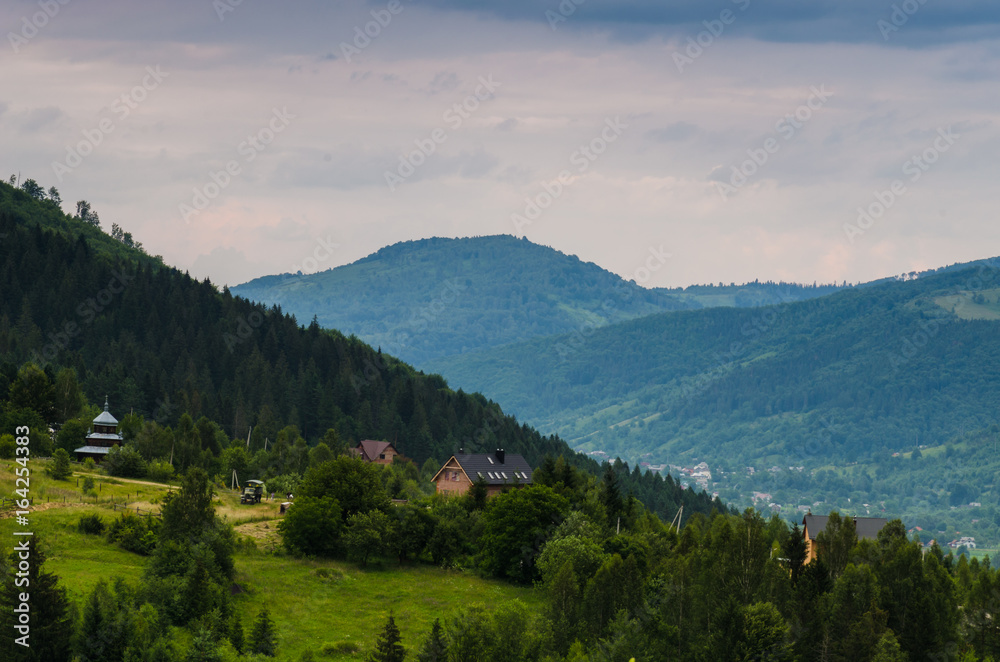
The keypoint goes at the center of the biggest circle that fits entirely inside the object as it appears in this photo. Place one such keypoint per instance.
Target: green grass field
(315, 604)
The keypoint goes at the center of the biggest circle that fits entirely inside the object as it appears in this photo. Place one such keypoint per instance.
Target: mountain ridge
(434, 297)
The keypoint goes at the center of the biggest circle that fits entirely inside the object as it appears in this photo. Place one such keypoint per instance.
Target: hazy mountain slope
(438, 297)
(858, 372)
(161, 344)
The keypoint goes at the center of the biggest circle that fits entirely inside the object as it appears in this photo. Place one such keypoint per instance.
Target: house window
(381, 456)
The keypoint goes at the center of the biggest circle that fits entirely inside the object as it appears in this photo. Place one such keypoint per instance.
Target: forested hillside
(174, 351)
(859, 373)
(438, 297)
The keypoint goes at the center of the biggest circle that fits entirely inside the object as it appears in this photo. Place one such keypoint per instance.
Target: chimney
(499, 455)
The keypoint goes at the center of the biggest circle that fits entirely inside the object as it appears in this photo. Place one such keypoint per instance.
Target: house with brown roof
(499, 470)
(813, 525)
(379, 452)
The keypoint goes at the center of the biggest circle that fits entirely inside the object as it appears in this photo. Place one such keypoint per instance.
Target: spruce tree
(60, 469)
(795, 551)
(51, 621)
(236, 634)
(263, 637)
(388, 647)
(434, 649)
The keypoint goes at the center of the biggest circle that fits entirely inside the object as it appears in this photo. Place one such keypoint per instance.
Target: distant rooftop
(105, 418)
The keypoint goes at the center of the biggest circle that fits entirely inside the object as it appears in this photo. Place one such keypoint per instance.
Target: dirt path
(45, 506)
(130, 480)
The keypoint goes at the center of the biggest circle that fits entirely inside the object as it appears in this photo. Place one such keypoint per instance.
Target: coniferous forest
(208, 386)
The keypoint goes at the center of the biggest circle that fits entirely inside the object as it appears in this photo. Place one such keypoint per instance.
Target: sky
(776, 140)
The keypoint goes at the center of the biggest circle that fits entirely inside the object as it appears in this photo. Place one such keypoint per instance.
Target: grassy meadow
(335, 609)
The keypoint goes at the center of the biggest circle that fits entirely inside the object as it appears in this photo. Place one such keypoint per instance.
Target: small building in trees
(101, 437)
(813, 525)
(499, 470)
(379, 452)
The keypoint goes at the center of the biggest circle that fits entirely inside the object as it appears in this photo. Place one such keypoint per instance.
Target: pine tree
(51, 624)
(795, 551)
(236, 634)
(388, 647)
(434, 649)
(60, 469)
(263, 637)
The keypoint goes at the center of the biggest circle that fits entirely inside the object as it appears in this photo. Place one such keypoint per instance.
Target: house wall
(811, 548)
(389, 454)
(452, 479)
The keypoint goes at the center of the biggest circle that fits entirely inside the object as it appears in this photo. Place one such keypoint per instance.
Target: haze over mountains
(834, 386)
(422, 300)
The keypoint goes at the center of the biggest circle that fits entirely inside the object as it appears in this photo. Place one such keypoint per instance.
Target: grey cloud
(444, 81)
(508, 124)
(475, 163)
(39, 118)
(673, 133)
(229, 261)
(771, 20)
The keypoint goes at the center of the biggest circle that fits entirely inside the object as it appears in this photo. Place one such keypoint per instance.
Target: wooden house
(379, 452)
(812, 525)
(499, 470)
(101, 437)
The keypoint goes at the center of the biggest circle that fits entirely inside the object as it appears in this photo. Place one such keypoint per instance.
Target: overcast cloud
(742, 137)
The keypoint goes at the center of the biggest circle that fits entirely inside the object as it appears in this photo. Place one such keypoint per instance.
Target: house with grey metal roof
(499, 470)
(101, 437)
(812, 525)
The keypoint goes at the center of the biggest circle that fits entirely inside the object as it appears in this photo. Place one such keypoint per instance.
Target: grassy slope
(313, 602)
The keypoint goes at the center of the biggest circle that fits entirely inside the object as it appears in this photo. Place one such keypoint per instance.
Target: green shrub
(125, 462)
(88, 485)
(282, 485)
(7, 446)
(134, 533)
(160, 470)
(89, 464)
(91, 524)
